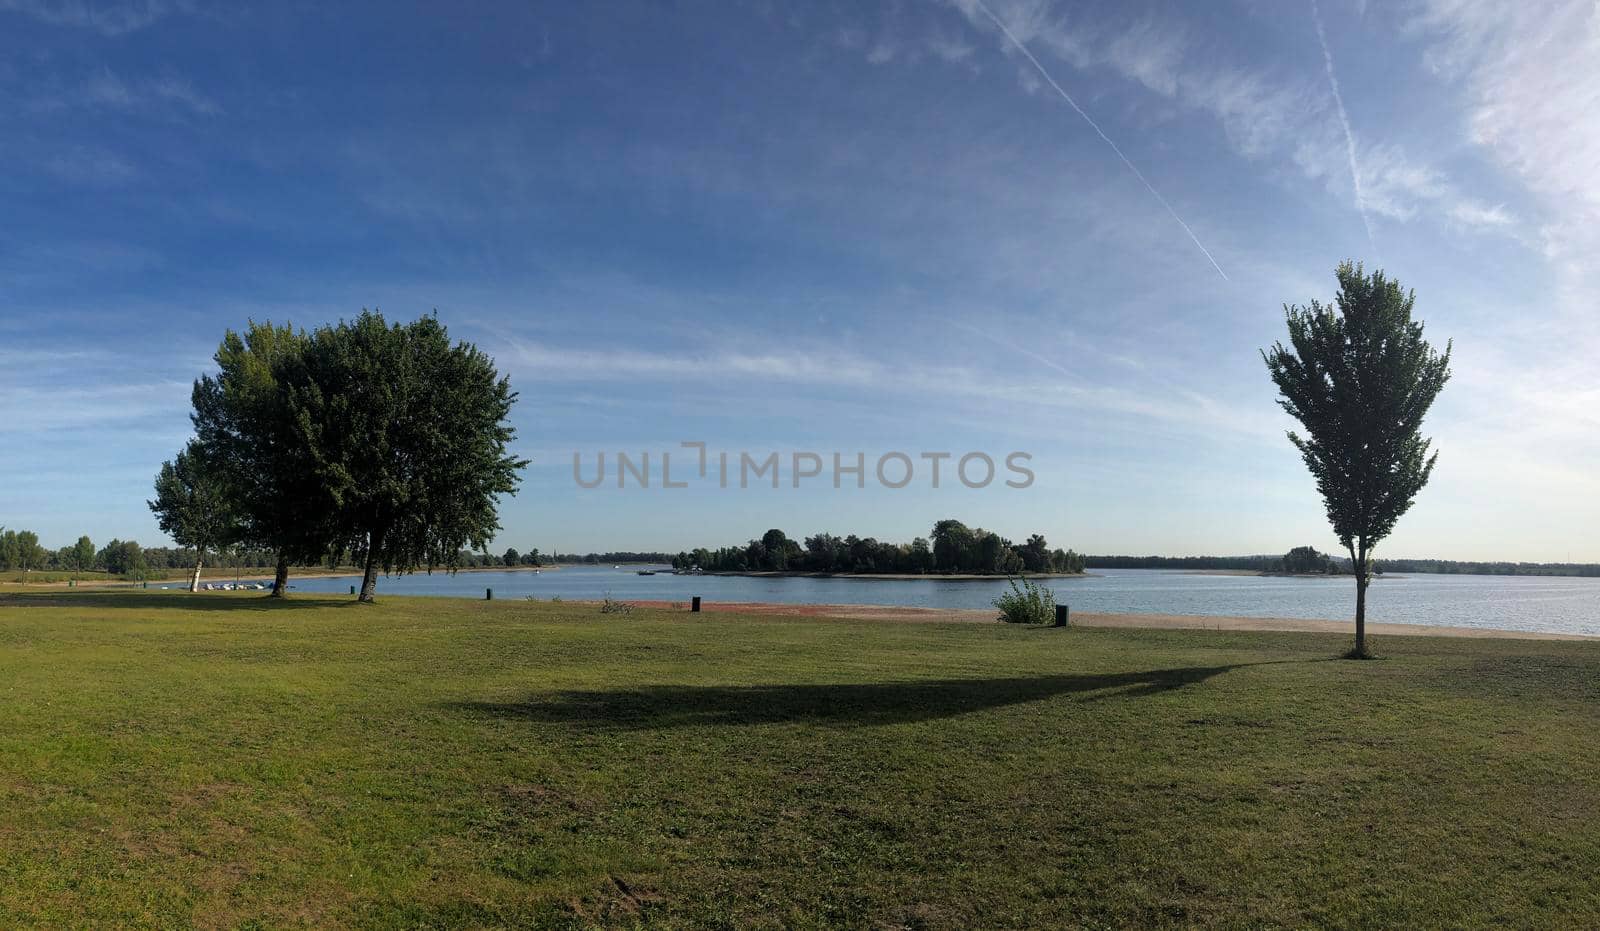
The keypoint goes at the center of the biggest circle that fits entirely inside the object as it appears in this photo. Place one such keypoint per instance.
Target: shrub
(1027, 603)
(613, 606)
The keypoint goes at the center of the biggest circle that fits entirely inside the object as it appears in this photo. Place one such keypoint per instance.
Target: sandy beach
(1093, 619)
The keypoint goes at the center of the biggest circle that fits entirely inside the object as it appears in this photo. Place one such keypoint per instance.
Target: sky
(1060, 229)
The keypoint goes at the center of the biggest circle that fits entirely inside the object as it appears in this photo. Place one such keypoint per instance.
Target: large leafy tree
(192, 505)
(409, 439)
(1360, 378)
(243, 419)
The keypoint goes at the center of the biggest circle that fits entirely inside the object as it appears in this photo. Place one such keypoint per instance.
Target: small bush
(613, 606)
(1027, 603)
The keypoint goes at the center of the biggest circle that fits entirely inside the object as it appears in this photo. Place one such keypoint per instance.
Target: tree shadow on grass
(869, 704)
(137, 600)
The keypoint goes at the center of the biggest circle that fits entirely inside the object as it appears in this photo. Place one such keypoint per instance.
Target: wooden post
(1061, 616)
(352, 589)
(488, 594)
(694, 606)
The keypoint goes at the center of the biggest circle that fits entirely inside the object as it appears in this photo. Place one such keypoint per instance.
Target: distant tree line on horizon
(952, 547)
(1315, 561)
(618, 556)
(20, 551)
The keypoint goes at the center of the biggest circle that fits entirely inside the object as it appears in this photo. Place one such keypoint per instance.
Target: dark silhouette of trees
(1307, 559)
(956, 548)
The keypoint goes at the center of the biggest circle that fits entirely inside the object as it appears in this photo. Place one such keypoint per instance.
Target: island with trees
(951, 549)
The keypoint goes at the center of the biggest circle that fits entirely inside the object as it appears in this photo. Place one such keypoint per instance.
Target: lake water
(1555, 604)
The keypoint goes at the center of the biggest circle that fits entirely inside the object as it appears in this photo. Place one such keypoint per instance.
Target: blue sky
(827, 227)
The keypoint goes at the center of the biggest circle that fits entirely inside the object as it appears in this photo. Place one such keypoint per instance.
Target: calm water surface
(1563, 605)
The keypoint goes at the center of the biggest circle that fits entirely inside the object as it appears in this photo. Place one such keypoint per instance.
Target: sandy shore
(1092, 619)
(906, 576)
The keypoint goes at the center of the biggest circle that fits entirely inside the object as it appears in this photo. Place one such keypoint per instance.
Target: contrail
(1344, 120)
(1098, 131)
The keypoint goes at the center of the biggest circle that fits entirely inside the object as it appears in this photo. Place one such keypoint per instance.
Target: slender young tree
(192, 505)
(1360, 379)
(409, 438)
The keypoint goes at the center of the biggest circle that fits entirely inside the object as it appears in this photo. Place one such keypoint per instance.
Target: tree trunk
(1361, 614)
(194, 582)
(280, 579)
(1358, 565)
(369, 578)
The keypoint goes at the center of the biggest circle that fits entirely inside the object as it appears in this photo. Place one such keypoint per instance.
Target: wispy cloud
(1021, 47)
(90, 165)
(1472, 213)
(1344, 123)
(1265, 114)
(107, 18)
(1529, 75)
(937, 385)
(107, 90)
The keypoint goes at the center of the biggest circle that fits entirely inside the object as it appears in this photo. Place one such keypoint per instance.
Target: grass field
(169, 760)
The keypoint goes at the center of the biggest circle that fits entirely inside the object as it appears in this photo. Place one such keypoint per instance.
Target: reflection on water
(1565, 605)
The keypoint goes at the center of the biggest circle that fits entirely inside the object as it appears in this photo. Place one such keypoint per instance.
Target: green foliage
(30, 555)
(1306, 559)
(956, 548)
(1360, 378)
(192, 504)
(244, 422)
(1027, 603)
(124, 558)
(408, 436)
(20, 550)
(82, 555)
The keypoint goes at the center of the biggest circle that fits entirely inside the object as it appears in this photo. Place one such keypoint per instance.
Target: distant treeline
(952, 547)
(20, 551)
(1257, 563)
(594, 559)
(1340, 564)
(1452, 567)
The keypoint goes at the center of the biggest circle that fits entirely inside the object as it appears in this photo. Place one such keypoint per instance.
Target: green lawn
(170, 760)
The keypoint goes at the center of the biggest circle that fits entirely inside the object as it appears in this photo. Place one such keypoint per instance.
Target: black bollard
(1061, 615)
(694, 606)
(488, 594)
(352, 589)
